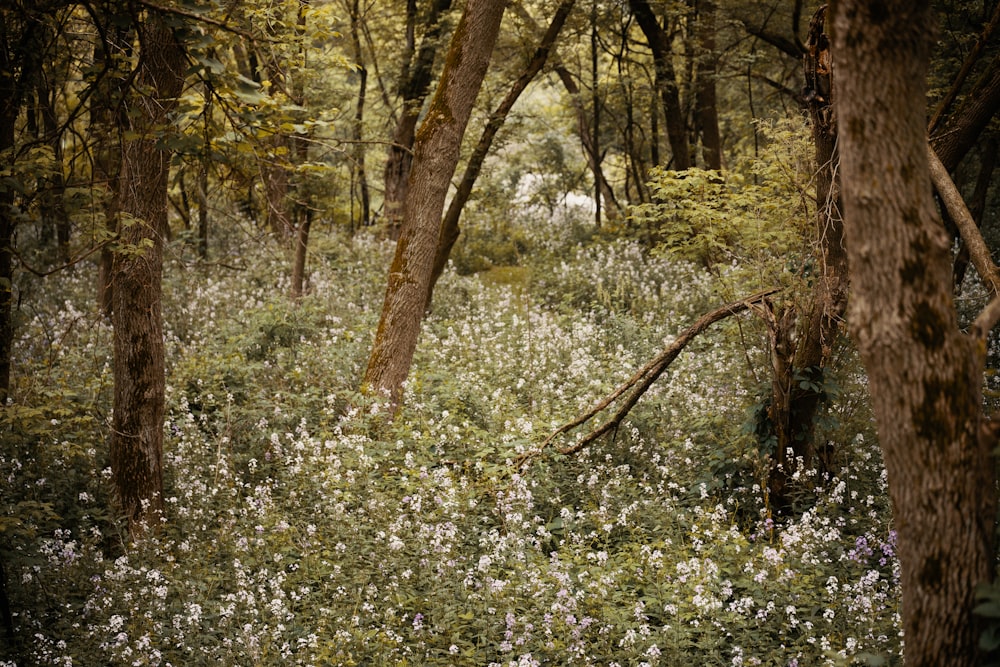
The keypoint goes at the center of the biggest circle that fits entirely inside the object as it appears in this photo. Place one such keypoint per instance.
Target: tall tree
(435, 156)
(924, 373)
(137, 433)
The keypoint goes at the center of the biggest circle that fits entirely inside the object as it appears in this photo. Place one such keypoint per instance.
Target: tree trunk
(436, 154)
(359, 179)
(137, 433)
(707, 110)
(666, 81)
(449, 226)
(924, 374)
(7, 223)
(107, 112)
(299, 266)
(977, 207)
(611, 207)
(962, 129)
(795, 405)
(414, 85)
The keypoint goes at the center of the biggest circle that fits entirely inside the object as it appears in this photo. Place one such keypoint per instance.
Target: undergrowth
(304, 528)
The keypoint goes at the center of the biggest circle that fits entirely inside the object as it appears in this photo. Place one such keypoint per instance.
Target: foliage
(757, 215)
(304, 529)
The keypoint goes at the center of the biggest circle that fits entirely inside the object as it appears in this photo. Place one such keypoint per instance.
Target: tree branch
(648, 374)
(959, 212)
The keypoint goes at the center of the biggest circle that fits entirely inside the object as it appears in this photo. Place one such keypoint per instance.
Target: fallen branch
(648, 374)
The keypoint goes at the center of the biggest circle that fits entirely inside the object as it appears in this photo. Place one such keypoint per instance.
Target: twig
(641, 381)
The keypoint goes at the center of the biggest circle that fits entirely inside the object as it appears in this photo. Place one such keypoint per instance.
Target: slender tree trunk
(7, 224)
(449, 226)
(436, 154)
(206, 158)
(54, 213)
(595, 107)
(359, 178)
(137, 434)
(107, 112)
(977, 206)
(666, 81)
(807, 354)
(924, 374)
(611, 207)
(301, 246)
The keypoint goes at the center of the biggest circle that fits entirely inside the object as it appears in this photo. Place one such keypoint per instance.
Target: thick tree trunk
(449, 226)
(666, 81)
(436, 154)
(924, 374)
(137, 434)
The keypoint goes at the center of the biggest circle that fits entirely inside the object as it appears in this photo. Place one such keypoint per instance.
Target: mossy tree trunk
(436, 154)
(137, 433)
(924, 374)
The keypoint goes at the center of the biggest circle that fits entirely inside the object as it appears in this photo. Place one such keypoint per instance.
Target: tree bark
(449, 226)
(436, 154)
(359, 179)
(924, 374)
(137, 433)
(107, 112)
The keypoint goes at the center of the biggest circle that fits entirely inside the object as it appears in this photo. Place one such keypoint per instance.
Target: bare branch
(648, 374)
